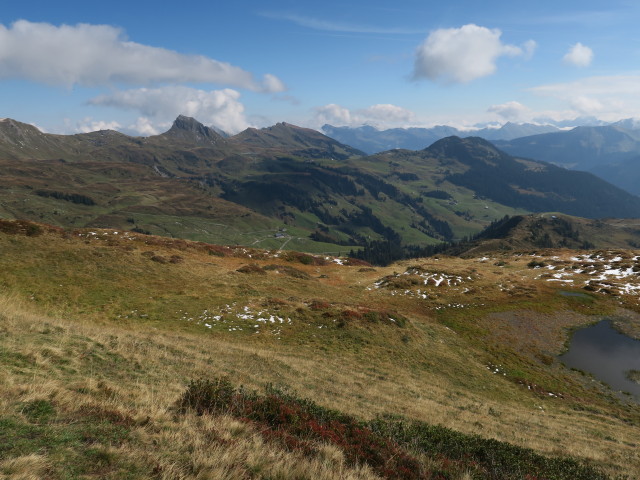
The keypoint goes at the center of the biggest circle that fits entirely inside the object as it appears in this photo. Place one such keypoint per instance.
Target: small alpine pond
(608, 355)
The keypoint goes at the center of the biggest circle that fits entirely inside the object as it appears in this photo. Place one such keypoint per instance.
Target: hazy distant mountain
(511, 130)
(584, 121)
(532, 185)
(624, 174)
(372, 140)
(628, 124)
(582, 148)
(219, 131)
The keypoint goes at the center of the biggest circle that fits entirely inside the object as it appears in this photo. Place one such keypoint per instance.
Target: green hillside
(283, 187)
(124, 355)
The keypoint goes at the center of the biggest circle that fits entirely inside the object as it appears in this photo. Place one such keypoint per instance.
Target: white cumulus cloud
(460, 55)
(95, 55)
(387, 113)
(579, 55)
(586, 105)
(158, 106)
(333, 114)
(145, 126)
(88, 124)
(510, 111)
(380, 115)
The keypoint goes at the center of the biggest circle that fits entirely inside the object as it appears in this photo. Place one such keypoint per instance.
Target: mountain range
(247, 361)
(611, 151)
(371, 140)
(283, 186)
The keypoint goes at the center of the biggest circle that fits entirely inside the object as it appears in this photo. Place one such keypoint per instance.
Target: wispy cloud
(510, 111)
(381, 115)
(614, 12)
(336, 26)
(599, 85)
(610, 97)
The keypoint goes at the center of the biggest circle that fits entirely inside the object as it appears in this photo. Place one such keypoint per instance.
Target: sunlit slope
(121, 322)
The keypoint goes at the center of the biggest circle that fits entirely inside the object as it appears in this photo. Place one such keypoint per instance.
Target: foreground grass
(390, 446)
(82, 401)
(97, 346)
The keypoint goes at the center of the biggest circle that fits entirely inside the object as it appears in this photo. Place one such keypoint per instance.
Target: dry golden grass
(27, 467)
(166, 362)
(88, 363)
(207, 447)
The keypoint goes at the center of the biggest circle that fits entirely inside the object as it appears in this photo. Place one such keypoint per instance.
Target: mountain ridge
(371, 140)
(192, 181)
(189, 130)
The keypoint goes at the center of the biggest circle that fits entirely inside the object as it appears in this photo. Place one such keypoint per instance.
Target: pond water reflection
(606, 354)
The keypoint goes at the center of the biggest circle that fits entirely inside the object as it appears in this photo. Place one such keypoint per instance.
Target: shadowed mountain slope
(580, 148)
(535, 186)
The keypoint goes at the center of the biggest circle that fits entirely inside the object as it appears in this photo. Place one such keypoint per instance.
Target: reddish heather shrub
(21, 227)
(251, 268)
(319, 305)
(298, 423)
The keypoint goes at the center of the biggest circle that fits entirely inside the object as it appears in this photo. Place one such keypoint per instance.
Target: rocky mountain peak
(14, 132)
(189, 129)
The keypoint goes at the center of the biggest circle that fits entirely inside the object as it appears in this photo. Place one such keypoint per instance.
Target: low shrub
(390, 445)
(536, 264)
(176, 259)
(299, 424)
(251, 268)
(289, 271)
(319, 305)
(20, 227)
(486, 457)
(207, 396)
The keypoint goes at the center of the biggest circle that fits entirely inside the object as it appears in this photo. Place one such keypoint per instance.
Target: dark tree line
(69, 197)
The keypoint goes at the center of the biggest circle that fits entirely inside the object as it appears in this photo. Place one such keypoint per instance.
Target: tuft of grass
(38, 411)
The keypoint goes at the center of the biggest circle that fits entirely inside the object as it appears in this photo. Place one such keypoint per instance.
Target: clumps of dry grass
(25, 467)
(288, 270)
(221, 447)
(79, 419)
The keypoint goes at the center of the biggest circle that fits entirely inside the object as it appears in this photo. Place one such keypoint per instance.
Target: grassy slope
(122, 175)
(101, 333)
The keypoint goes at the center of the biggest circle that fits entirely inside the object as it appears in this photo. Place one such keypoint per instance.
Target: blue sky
(70, 67)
